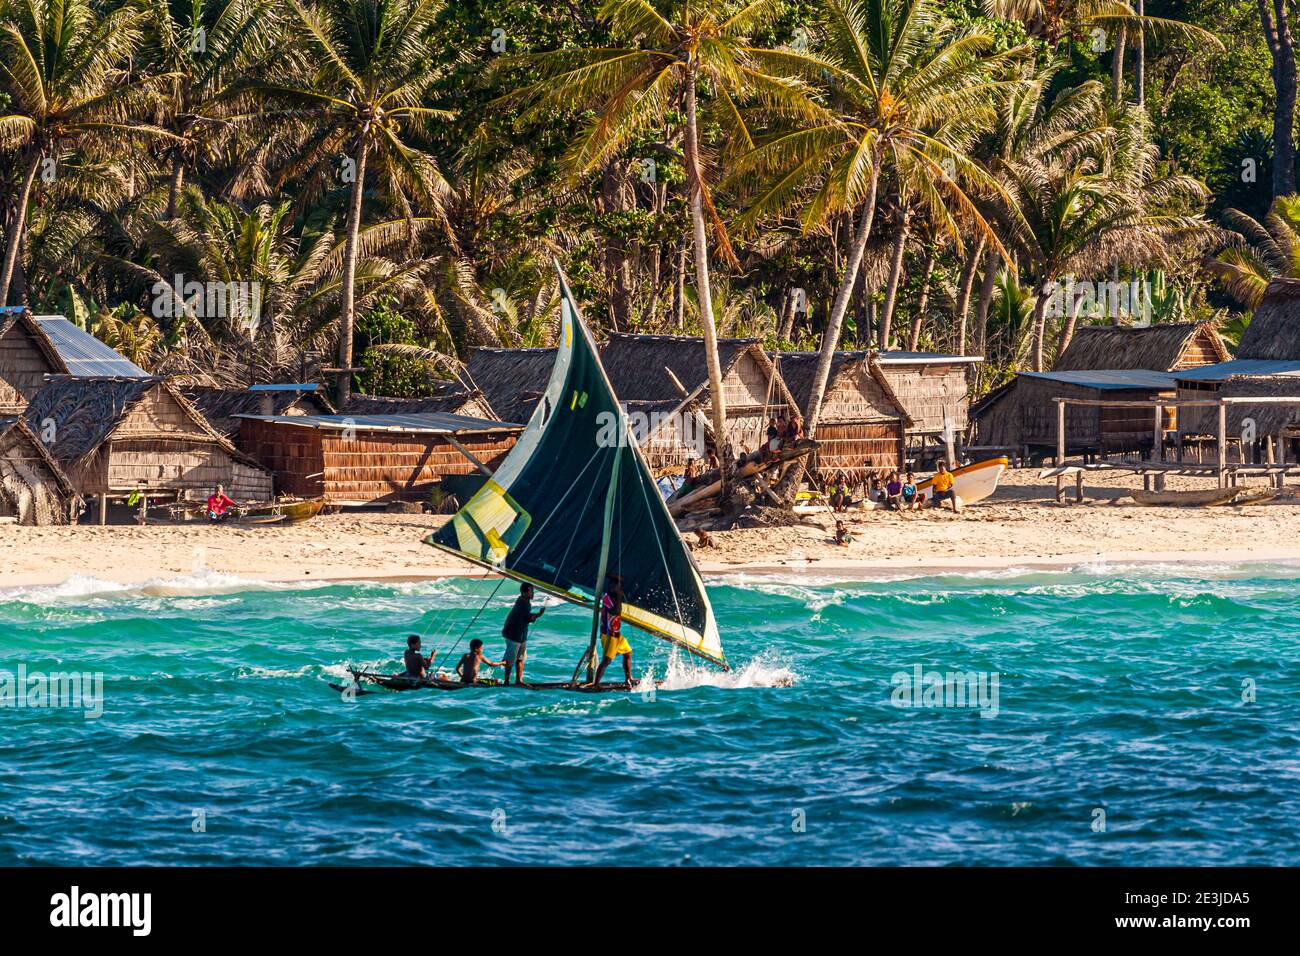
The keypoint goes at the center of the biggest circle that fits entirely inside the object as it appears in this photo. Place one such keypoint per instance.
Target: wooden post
(1060, 433)
(103, 507)
(1223, 443)
(1078, 487)
(949, 429)
(1158, 436)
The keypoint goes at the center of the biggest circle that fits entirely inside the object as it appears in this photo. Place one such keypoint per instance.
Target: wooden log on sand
(752, 465)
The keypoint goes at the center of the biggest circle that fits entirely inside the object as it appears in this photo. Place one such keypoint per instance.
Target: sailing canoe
(574, 500)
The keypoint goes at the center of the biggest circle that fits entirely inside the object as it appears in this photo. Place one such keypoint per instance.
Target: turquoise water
(1119, 692)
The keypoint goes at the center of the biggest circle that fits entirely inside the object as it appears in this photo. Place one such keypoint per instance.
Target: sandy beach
(1021, 526)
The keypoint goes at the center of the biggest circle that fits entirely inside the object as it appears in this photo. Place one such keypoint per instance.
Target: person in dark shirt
(515, 632)
(471, 662)
(416, 664)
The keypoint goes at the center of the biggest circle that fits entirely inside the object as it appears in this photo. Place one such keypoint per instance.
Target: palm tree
(907, 95)
(1257, 252)
(1055, 20)
(671, 50)
(64, 66)
(375, 65)
(201, 48)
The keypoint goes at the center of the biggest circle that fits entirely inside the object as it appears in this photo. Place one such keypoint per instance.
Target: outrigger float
(573, 502)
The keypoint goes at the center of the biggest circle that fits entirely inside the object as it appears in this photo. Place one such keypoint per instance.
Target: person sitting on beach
(471, 662)
(417, 665)
(690, 474)
(894, 493)
(714, 464)
(843, 537)
(217, 505)
(909, 493)
(874, 492)
(515, 631)
(613, 643)
(942, 484)
(773, 439)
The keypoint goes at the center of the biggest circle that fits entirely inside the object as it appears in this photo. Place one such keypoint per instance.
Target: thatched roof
(85, 412)
(798, 369)
(220, 405)
(17, 316)
(1161, 348)
(636, 364)
(513, 380)
(14, 423)
(1274, 331)
(1269, 419)
(452, 401)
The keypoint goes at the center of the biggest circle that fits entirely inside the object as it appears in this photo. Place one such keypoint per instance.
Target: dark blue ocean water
(1124, 729)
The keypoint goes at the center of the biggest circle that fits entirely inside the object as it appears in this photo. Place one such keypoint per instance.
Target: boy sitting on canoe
(417, 665)
(471, 662)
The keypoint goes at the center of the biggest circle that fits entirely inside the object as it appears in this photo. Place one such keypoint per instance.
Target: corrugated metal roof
(1110, 378)
(1224, 370)
(85, 355)
(924, 358)
(436, 423)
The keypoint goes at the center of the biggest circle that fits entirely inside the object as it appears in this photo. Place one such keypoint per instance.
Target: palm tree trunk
(963, 292)
(1281, 46)
(1040, 322)
(895, 275)
(348, 314)
(835, 321)
(17, 225)
(985, 299)
(177, 182)
(1140, 58)
(679, 288)
(787, 317)
(717, 402)
(1071, 321)
(927, 271)
(1117, 66)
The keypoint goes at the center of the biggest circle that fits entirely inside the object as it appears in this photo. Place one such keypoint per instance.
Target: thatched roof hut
(1022, 415)
(1265, 419)
(33, 488)
(512, 380)
(220, 406)
(666, 378)
(1274, 331)
(862, 424)
(114, 436)
(933, 389)
(1159, 348)
(471, 403)
(363, 459)
(34, 346)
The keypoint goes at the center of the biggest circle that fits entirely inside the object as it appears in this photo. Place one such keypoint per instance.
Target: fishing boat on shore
(573, 502)
(971, 483)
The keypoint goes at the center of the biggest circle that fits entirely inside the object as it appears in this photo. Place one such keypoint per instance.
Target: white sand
(1021, 526)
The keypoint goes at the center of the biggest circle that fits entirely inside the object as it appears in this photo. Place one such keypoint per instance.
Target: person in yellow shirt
(942, 484)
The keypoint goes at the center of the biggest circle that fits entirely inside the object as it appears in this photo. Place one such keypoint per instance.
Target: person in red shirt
(217, 505)
(614, 644)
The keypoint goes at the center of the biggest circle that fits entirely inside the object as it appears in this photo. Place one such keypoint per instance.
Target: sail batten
(542, 517)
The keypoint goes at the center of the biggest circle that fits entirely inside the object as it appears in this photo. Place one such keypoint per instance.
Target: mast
(603, 568)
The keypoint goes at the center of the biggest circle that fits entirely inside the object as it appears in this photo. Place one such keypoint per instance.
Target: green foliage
(400, 376)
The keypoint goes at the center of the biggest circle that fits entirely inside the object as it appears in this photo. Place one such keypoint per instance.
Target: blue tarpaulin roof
(1116, 379)
(1224, 370)
(85, 355)
(440, 423)
(299, 387)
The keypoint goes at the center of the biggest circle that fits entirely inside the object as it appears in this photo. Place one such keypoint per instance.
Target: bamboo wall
(23, 368)
(371, 467)
(749, 404)
(1108, 430)
(931, 393)
(857, 450)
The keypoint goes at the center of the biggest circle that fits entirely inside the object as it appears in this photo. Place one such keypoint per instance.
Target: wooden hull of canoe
(400, 682)
(971, 483)
(1185, 499)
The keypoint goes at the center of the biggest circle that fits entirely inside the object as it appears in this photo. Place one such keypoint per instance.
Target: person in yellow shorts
(942, 485)
(613, 643)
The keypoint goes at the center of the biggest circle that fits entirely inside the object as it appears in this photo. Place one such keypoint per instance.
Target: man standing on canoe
(613, 643)
(515, 632)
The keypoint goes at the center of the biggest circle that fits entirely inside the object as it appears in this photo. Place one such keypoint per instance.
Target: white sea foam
(684, 672)
(80, 588)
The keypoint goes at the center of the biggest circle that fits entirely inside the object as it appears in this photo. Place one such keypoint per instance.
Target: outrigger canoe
(1206, 498)
(400, 682)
